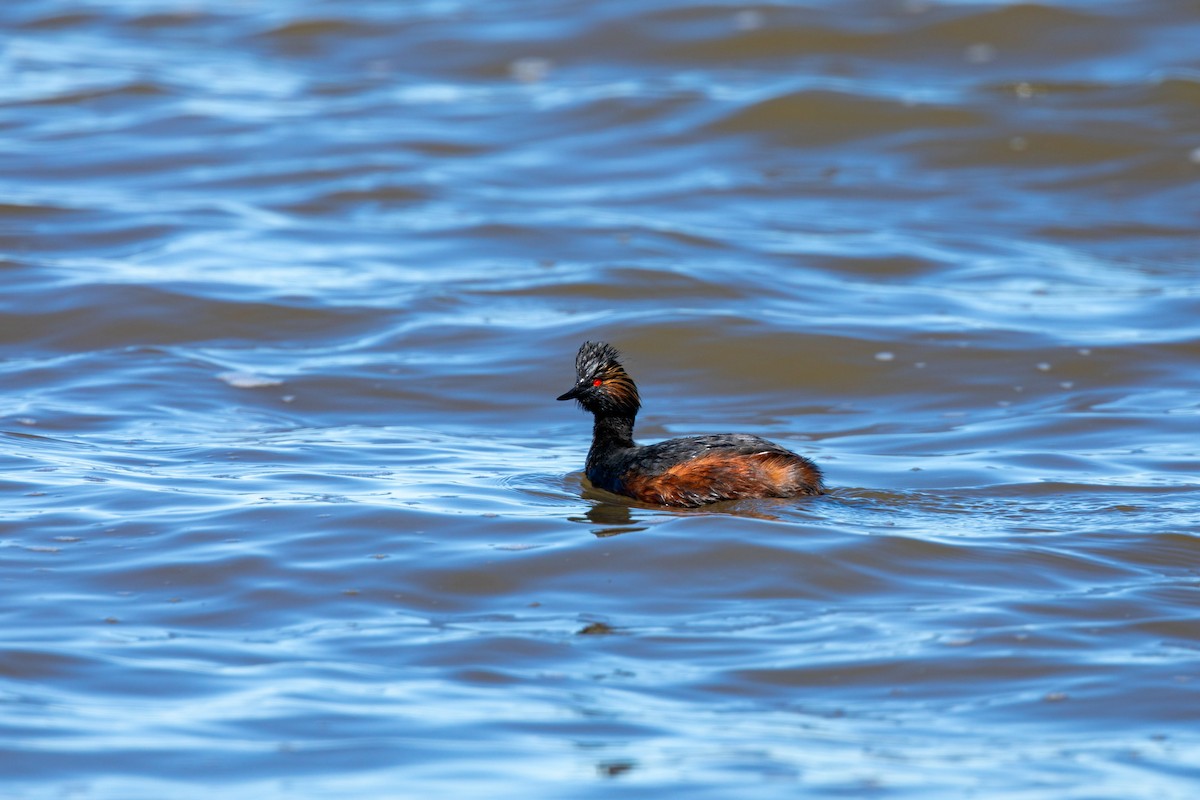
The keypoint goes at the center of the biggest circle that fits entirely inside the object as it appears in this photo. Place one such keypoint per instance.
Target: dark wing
(655, 459)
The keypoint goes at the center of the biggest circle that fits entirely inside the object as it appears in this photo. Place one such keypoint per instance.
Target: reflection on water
(289, 293)
(609, 518)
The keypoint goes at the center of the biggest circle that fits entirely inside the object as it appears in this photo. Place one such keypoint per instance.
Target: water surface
(291, 510)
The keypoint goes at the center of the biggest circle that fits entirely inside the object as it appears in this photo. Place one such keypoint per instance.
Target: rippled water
(291, 511)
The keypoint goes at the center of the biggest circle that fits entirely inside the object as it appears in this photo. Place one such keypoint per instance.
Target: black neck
(612, 432)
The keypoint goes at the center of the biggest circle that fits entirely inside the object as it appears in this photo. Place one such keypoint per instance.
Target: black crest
(595, 359)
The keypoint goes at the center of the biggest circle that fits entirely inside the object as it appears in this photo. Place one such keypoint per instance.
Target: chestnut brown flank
(725, 476)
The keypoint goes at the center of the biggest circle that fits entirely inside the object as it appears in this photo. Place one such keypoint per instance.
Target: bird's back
(694, 470)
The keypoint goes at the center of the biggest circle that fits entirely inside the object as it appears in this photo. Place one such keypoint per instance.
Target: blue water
(290, 289)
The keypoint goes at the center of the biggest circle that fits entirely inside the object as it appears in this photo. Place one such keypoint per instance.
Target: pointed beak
(571, 395)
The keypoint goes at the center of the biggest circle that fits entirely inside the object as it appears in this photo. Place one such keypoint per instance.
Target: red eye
(597, 382)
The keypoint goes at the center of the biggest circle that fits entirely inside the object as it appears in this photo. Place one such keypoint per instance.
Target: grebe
(689, 471)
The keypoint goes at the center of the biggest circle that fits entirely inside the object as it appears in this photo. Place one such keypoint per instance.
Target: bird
(685, 472)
